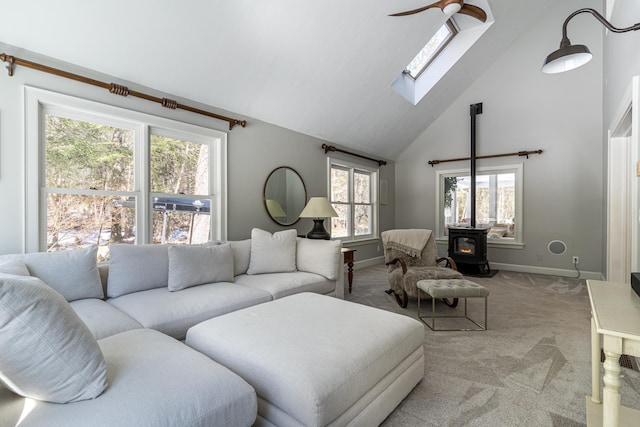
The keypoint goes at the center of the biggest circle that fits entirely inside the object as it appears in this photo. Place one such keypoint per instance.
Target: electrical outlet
(576, 260)
(378, 248)
(540, 257)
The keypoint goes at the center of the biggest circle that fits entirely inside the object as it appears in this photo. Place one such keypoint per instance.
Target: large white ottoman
(315, 360)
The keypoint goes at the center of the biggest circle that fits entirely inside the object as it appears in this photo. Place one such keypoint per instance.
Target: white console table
(615, 321)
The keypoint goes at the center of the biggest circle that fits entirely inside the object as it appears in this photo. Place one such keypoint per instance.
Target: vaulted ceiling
(322, 68)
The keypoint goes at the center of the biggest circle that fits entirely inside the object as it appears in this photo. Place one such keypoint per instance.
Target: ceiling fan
(449, 7)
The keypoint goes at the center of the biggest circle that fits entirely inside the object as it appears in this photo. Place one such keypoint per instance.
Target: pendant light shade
(566, 58)
(571, 56)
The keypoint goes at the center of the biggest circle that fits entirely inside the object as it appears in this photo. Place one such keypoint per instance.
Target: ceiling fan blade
(421, 9)
(473, 11)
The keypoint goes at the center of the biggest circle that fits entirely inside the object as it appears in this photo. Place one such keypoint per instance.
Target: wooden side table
(347, 254)
(615, 323)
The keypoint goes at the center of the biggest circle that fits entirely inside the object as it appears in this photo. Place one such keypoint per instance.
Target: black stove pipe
(475, 109)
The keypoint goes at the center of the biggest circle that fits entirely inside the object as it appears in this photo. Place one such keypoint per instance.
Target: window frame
(40, 102)
(453, 32)
(374, 173)
(517, 169)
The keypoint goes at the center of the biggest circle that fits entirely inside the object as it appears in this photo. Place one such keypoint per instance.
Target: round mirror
(284, 195)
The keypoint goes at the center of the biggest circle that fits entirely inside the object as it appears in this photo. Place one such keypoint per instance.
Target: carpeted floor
(530, 368)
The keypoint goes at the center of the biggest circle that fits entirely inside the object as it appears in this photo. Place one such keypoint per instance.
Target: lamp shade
(566, 58)
(569, 57)
(318, 207)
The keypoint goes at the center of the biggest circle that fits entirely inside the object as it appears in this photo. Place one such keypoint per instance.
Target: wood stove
(468, 248)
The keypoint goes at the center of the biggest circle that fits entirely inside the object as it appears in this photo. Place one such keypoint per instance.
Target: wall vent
(557, 247)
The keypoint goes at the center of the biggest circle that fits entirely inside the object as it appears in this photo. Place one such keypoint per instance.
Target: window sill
(492, 243)
(360, 242)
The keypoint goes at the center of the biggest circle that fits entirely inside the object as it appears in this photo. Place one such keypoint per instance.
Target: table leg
(611, 392)
(595, 363)
(350, 275)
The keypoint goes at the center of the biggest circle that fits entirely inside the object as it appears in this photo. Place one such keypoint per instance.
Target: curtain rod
(517, 153)
(114, 88)
(328, 148)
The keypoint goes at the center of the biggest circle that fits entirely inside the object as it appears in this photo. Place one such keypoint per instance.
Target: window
(432, 49)
(498, 202)
(108, 175)
(353, 191)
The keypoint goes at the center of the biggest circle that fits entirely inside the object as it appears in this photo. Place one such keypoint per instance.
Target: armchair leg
(402, 302)
(450, 303)
(405, 300)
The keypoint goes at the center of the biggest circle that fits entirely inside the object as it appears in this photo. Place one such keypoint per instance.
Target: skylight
(432, 49)
(451, 41)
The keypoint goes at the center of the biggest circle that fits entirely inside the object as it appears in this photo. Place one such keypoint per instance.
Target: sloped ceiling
(322, 68)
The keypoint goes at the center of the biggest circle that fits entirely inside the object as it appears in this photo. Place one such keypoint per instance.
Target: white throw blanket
(410, 241)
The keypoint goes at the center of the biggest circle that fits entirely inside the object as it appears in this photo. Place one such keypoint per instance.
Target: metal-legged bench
(452, 288)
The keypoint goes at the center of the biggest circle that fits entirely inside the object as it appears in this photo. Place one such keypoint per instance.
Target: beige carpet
(530, 368)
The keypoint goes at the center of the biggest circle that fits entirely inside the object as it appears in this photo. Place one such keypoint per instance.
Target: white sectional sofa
(127, 318)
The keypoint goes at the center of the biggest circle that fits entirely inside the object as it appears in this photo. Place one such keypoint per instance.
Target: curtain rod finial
(11, 61)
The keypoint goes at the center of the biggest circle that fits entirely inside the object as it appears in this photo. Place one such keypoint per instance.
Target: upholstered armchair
(411, 255)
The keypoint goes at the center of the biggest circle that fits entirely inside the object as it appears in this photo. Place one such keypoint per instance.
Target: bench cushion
(452, 288)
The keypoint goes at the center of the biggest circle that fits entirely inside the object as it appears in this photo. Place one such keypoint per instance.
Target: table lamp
(318, 208)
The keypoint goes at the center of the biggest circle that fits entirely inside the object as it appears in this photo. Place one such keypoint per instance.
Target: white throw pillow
(272, 253)
(197, 265)
(241, 255)
(134, 268)
(13, 266)
(73, 273)
(48, 353)
(321, 257)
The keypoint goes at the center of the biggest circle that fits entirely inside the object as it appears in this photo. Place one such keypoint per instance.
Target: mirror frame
(264, 194)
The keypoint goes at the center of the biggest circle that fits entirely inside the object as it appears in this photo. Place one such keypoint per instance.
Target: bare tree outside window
(84, 162)
(352, 197)
(180, 168)
(91, 194)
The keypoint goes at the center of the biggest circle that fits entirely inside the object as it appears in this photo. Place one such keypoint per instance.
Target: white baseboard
(368, 263)
(593, 275)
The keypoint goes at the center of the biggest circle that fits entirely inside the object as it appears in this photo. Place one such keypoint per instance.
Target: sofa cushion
(175, 312)
(241, 255)
(282, 284)
(156, 381)
(322, 257)
(134, 268)
(102, 318)
(272, 253)
(47, 352)
(72, 273)
(196, 265)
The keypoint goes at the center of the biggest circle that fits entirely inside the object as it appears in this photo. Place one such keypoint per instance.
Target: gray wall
(253, 152)
(621, 64)
(525, 109)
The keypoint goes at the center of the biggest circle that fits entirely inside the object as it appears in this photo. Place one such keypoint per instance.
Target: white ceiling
(323, 68)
